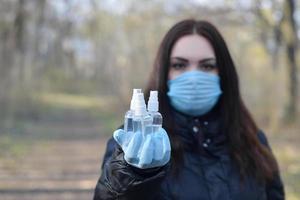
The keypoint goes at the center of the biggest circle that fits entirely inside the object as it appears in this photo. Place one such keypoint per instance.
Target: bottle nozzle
(140, 105)
(153, 101)
(133, 98)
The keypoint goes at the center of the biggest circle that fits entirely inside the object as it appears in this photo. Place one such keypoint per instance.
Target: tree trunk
(290, 37)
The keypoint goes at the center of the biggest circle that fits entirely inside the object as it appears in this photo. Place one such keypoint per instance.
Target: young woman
(217, 150)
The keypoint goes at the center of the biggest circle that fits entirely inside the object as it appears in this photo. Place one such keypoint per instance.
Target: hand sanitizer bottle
(141, 118)
(153, 111)
(128, 123)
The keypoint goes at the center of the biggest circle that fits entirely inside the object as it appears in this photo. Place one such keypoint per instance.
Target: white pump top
(153, 102)
(140, 105)
(134, 97)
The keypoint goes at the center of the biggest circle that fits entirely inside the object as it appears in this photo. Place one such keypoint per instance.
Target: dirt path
(68, 165)
(56, 169)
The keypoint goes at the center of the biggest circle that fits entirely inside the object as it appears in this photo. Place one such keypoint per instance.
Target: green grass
(46, 109)
(57, 116)
(105, 111)
(12, 149)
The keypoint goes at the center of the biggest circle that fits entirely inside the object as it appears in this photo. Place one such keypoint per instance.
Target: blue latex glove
(152, 150)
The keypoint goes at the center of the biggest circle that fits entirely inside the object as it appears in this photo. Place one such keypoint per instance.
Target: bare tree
(278, 29)
(289, 33)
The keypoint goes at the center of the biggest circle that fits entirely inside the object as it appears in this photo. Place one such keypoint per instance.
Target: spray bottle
(153, 106)
(141, 118)
(128, 119)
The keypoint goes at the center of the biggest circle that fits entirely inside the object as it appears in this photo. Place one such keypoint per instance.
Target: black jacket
(207, 173)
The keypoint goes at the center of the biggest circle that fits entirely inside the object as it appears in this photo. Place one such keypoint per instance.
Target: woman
(217, 150)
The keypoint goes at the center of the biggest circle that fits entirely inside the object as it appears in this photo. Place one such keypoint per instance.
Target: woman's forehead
(192, 47)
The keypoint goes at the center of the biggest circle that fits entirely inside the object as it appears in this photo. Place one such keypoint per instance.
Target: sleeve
(275, 188)
(120, 180)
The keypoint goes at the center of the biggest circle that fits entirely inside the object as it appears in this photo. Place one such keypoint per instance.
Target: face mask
(194, 93)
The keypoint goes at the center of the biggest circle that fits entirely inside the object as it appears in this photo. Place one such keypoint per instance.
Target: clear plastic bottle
(141, 117)
(128, 119)
(153, 106)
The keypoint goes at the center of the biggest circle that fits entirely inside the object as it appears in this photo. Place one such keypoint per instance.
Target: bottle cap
(153, 101)
(133, 98)
(140, 105)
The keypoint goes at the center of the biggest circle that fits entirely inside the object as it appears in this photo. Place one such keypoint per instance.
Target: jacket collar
(201, 132)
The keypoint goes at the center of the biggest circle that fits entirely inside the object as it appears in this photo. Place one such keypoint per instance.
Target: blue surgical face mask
(194, 92)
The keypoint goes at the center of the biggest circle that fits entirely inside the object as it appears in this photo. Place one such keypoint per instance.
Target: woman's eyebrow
(207, 60)
(200, 61)
(181, 59)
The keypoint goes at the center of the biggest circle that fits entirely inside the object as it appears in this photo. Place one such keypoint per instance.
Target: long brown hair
(251, 157)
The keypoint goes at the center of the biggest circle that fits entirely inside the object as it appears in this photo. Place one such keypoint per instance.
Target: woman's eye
(178, 65)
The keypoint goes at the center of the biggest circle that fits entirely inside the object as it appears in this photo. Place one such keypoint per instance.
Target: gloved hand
(152, 150)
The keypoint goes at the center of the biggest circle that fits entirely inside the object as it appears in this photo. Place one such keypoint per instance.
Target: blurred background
(67, 69)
